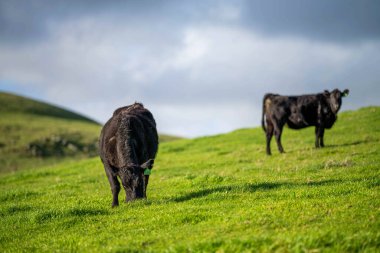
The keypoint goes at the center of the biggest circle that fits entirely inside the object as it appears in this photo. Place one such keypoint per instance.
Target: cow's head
(133, 178)
(335, 98)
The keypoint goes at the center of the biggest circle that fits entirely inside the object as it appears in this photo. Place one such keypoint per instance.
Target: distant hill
(35, 133)
(18, 104)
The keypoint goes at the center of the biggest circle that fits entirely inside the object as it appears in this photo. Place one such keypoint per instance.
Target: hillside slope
(11, 103)
(218, 193)
(36, 134)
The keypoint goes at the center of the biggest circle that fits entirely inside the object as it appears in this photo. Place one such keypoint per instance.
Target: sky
(201, 67)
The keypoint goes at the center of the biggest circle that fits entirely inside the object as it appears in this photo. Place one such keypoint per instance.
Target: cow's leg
(146, 184)
(319, 131)
(277, 133)
(269, 135)
(114, 183)
(321, 134)
(317, 137)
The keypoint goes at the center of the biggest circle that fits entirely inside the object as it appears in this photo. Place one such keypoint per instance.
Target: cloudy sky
(201, 66)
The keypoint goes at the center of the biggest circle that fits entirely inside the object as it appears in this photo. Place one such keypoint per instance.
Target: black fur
(319, 110)
(128, 146)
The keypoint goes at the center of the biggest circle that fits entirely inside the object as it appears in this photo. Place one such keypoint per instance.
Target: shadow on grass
(350, 143)
(327, 146)
(250, 188)
(18, 195)
(87, 212)
(47, 216)
(14, 210)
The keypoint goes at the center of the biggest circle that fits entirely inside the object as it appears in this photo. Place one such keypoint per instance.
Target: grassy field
(211, 194)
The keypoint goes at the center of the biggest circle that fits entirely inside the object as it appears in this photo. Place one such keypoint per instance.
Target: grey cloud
(24, 21)
(339, 21)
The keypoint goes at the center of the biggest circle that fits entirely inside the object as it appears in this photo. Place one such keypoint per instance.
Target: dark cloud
(23, 21)
(339, 20)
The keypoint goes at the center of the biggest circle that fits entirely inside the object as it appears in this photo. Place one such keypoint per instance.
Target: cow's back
(144, 132)
(130, 132)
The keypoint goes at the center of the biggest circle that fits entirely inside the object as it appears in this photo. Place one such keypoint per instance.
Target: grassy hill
(10, 103)
(213, 194)
(35, 134)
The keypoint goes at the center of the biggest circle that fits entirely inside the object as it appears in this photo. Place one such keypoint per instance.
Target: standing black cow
(128, 146)
(319, 110)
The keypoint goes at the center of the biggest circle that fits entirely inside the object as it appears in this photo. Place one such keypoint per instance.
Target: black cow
(128, 146)
(319, 110)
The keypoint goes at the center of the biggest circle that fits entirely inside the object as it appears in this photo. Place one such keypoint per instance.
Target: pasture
(211, 194)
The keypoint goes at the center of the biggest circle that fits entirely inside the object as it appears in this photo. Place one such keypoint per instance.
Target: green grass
(211, 194)
(25, 121)
(20, 130)
(168, 138)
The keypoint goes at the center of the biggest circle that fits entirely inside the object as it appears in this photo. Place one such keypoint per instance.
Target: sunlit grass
(218, 193)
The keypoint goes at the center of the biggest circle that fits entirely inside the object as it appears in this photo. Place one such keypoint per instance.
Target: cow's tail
(266, 102)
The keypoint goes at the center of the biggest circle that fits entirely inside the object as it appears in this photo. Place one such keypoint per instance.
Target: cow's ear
(326, 93)
(148, 164)
(345, 92)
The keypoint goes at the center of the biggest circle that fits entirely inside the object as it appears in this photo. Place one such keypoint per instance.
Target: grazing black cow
(319, 110)
(128, 145)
